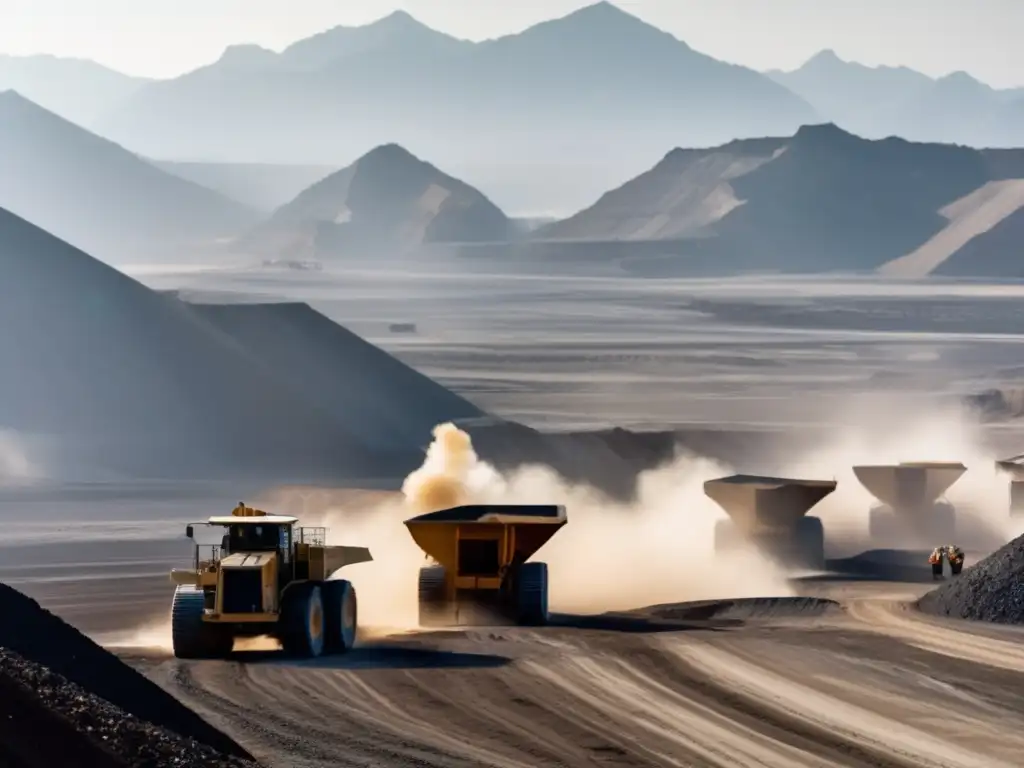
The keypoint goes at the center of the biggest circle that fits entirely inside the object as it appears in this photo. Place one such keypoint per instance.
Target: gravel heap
(28, 633)
(46, 721)
(990, 590)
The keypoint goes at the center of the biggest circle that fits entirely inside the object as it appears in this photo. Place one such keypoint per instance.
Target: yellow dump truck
(260, 574)
(480, 574)
(771, 514)
(912, 511)
(1014, 467)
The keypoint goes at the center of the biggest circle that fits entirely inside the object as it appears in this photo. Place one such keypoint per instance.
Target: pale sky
(982, 37)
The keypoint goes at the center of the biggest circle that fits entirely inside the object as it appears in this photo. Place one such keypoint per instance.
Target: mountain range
(530, 117)
(876, 102)
(820, 200)
(499, 113)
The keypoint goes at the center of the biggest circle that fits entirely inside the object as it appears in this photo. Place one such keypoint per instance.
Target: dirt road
(779, 683)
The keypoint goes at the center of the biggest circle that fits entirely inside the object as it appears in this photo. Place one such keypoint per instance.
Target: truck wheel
(810, 540)
(340, 614)
(434, 609)
(303, 618)
(191, 637)
(532, 594)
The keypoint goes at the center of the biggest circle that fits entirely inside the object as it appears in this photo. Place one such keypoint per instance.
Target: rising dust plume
(611, 556)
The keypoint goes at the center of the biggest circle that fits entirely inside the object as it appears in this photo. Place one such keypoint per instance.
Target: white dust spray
(610, 556)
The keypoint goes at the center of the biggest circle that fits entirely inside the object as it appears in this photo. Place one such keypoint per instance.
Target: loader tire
(532, 594)
(810, 541)
(434, 608)
(340, 615)
(302, 616)
(191, 637)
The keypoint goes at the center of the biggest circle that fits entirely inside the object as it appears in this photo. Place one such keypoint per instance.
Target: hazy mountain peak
(826, 57)
(600, 24)
(247, 55)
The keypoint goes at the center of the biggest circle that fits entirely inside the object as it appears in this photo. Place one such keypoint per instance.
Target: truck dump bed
(755, 502)
(529, 528)
(909, 484)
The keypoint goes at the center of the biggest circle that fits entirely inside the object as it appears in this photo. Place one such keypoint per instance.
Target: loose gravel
(991, 590)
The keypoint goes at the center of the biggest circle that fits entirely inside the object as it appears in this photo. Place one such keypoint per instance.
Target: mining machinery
(259, 574)
(479, 574)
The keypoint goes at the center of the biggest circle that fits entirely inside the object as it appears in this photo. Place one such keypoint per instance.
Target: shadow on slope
(43, 639)
(122, 378)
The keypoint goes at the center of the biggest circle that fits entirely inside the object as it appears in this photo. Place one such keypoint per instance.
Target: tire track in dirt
(957, 639)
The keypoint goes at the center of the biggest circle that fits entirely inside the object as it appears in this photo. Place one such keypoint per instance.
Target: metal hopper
(1014, 467)
(909, 484)
(481, 553)
(776, 503)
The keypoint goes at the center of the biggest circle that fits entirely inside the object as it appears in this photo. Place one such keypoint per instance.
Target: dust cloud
(610, 556)
(886, 436)
(15, 464)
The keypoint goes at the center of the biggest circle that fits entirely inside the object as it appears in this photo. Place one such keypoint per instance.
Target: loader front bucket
(523, 529)
(755, 502)
(909, 484)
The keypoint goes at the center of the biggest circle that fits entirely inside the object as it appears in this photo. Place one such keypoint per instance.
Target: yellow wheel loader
(258, 574)
(480, 575)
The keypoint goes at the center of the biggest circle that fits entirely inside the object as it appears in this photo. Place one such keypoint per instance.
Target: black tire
(532, 594)
(302, 615)
(810, 541)
(341, 616)
(434, 608)
(191, 637)
(727, 536)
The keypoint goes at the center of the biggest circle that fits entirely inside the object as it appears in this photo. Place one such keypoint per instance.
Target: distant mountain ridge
(595, 78)
(78, 90)
(97, 195)
(876, 102)
(820, 200)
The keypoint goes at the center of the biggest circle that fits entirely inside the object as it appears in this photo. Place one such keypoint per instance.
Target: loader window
(254, 538)
(478, 557)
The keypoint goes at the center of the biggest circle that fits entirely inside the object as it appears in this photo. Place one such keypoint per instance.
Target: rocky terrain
(66, 701)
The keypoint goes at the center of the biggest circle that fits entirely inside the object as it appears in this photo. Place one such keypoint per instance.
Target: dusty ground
(864, 683)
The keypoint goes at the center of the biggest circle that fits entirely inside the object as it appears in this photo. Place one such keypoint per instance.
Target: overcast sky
(982, 37)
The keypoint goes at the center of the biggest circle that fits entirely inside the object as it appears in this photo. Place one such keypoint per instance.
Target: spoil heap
(991, 590)
(66, 701)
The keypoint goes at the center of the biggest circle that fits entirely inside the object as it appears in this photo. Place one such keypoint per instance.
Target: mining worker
(935, 560)
(955, 555)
